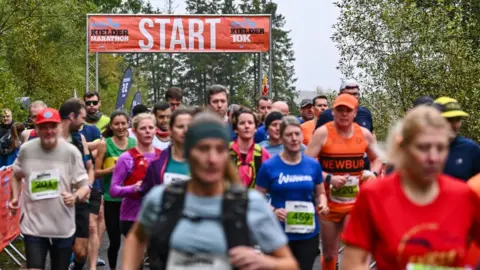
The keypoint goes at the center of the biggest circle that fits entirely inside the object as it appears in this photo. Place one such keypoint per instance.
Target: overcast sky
(310, 22)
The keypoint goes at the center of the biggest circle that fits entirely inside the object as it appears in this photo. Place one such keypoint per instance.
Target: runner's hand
(322, 209)
(247, 258)
(68, 198)
(13, 205)
(338, 181)
(138, 185)
(281, 214)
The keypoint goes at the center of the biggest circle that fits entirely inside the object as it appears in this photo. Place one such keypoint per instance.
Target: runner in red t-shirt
(416, 216)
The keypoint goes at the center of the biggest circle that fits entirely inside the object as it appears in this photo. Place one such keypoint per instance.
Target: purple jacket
(156, 170)
(130, 204)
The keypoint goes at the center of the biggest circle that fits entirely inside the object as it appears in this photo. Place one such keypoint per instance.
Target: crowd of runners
(229, 187)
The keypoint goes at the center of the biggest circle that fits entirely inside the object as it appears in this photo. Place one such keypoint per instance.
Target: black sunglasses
(90, 103)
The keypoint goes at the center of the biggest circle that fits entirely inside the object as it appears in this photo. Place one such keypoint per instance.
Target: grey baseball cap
(306, 102)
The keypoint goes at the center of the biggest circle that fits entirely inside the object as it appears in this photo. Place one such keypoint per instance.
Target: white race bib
(169, 178)
(44, 185)
(181, 261)
(347, 193)
(300, 217)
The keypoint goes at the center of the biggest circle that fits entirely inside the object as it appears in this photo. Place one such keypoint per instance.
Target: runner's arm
(25, 135)
(99, 172)
(93, 145)
(16, 186)
(373, 152)
(134, 247)
(118, 189)
(88, 163)
(354, 258)
(316, 142)
(321, 194)
(280, 259)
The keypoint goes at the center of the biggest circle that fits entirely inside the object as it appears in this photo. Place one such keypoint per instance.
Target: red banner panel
(178, 34)
(9, 224)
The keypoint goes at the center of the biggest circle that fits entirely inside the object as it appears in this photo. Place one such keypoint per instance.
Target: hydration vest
(233, 219)
(140, 165)
(248, 171)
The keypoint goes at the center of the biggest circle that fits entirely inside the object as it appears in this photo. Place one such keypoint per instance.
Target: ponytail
(231, 174)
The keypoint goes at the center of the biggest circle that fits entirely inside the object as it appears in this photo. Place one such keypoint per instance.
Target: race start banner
(137, 99)
(178, 33)
(125, 86)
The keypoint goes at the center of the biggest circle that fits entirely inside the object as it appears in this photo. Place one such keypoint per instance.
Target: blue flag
(125, 86)
(137, 99)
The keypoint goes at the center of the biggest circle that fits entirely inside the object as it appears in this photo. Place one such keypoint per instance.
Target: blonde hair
(231, 174)
(142, 116)
(404, 132)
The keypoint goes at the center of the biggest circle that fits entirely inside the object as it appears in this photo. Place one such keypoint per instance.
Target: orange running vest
(343, 156)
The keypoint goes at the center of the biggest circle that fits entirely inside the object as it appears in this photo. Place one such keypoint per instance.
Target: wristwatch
(328, 178)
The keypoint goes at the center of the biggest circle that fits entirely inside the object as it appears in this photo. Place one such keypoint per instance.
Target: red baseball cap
(48, 115)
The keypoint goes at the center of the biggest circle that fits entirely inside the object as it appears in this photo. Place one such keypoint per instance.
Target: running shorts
(95, 201)
(336, 217)
(82, 215)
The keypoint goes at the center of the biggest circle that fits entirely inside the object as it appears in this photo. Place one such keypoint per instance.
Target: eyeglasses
(91, 103)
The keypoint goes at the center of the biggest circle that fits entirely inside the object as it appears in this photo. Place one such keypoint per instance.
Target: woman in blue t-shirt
(293, 179)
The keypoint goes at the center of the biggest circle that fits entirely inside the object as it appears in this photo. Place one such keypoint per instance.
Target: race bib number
(182, 261)
(300, 217)
(348, 193)
(169, 178)
(44, 185)
(417, 266)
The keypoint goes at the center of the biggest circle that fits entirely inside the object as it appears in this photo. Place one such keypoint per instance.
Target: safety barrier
(9, 223)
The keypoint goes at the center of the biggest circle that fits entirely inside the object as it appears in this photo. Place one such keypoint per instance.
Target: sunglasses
(91, 103)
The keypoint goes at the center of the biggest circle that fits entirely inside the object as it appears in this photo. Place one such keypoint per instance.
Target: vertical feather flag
(265, 86)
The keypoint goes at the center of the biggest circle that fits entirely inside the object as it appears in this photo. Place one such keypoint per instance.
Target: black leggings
(305, 251)
(112, 224)
(36, 249)
(125, 227)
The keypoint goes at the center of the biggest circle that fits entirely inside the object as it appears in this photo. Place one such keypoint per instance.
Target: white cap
(349, 83)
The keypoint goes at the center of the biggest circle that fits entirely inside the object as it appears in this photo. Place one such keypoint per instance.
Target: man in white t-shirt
(162, 113)
(51, 168)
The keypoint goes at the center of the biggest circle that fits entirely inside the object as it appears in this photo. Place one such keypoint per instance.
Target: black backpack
(233, 218)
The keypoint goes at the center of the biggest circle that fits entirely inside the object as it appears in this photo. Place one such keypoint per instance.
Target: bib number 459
(299, 218)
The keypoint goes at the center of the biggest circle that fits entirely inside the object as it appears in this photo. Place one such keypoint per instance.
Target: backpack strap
(257, 162)
(172, 204)
(134, 152)
(234, 217)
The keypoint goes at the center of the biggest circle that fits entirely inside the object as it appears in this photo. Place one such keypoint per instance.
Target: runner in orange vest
(340, 146)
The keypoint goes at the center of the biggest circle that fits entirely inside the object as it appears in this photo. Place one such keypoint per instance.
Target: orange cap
(346, 100)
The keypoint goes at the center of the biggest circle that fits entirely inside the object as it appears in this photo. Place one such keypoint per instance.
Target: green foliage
(400, 50)
(42, 55)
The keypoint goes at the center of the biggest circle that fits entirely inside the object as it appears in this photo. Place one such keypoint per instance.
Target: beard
(49, 143)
